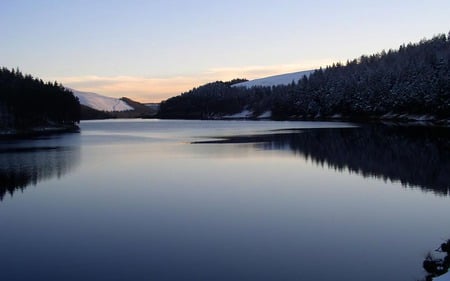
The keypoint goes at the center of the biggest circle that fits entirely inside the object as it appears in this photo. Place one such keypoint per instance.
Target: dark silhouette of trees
(205, 102)
(27, 102)
(413, 80)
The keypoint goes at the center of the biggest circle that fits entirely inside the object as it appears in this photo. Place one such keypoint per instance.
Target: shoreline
(400, 120)
(12, 133)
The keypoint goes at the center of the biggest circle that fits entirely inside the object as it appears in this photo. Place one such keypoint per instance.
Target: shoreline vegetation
(395, 119)
(410, 83)
(30, 107)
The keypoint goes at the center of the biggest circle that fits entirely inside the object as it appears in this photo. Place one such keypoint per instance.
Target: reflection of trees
(415, 156)
(22, 167)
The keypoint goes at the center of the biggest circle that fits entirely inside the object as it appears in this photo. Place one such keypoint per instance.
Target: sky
(149, 50)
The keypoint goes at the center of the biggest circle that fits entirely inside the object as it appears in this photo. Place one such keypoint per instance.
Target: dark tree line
(413, 80)
(204, 102)
(27, 102)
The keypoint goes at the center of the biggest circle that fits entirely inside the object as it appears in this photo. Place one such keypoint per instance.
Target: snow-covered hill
(283, 79)
(100, 102)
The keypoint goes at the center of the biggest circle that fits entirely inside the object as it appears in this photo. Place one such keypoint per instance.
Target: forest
(27, 103)
(413, 80)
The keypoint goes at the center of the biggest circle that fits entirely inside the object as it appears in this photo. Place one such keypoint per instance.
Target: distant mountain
(276, 80)
(101, 103)
(96, 106)
(140, 110)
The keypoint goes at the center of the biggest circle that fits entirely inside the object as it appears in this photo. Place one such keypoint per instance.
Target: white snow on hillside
(445, 277)
(100, 102)
(247, 114)
(241, 115)
(283, 79)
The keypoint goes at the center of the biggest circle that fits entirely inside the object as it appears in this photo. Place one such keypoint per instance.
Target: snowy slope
(283, 79)
(445, 277)
(100, 102)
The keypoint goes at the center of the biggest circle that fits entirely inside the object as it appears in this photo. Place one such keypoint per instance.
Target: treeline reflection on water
(24, 166)
(416, 156)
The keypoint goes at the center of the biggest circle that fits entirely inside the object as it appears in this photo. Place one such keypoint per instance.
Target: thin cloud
(154, 89)
(254, 72)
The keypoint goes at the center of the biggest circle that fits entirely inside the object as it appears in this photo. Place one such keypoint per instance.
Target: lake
(224, 200)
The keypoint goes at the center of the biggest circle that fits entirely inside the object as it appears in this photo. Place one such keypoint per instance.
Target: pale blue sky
(150, 50)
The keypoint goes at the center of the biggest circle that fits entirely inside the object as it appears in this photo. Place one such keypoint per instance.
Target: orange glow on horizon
(154, 90)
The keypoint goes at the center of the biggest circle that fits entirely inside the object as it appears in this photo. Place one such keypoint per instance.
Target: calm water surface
(224, 200)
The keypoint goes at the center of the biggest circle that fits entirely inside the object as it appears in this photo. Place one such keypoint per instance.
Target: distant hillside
(100, 102)
(29, 105)
(412, 82)
(88, 113)
(283, 79)
(139, 110)
(153, 106)
(96, 106)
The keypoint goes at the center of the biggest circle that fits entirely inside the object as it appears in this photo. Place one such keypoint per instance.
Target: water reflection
(29, 162)
(415, 156)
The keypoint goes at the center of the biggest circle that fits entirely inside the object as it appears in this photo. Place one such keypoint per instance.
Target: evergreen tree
(414, 80)
(27, 102)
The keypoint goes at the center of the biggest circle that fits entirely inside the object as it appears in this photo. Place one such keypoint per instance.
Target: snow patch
(412, 117)
(265, 115)
(445, 277)
(336, 116)
(100, 102)
(247, 114)
(244, 114)
(283, 79)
